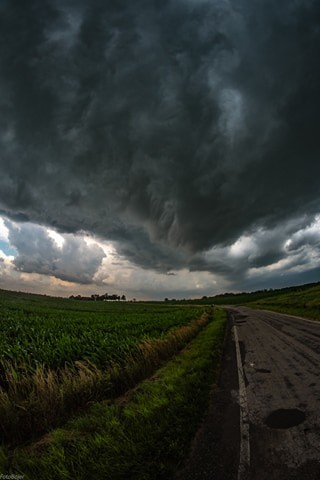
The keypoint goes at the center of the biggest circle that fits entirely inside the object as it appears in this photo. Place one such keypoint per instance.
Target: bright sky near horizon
(159, 149)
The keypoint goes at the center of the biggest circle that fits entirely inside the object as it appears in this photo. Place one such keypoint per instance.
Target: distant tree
(123, 298)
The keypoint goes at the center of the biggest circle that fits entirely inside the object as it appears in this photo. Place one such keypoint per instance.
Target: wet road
(280, 357)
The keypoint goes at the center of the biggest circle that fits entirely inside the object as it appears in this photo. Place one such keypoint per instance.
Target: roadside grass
(32, 404)
(141, 436)
(304, 303)
(302, 294)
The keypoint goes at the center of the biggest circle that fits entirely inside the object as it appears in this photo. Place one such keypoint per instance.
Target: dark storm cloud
(285, 251)
(168, 127)
(75, 261)
(302, 240)
(280, 280)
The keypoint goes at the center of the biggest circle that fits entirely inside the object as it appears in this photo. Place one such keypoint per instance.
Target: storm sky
(159, 148)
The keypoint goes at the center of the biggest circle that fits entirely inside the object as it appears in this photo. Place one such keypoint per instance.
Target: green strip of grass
(307, 312)
(303, 301)
(144, 436)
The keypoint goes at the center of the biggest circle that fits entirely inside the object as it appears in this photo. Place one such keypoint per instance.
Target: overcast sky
(159, 148)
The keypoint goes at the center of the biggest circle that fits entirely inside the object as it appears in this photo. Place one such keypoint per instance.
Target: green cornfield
(57, 356)
(38, 330)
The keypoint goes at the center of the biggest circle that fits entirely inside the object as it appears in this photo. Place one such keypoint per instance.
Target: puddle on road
(240, 320)
(285, 418)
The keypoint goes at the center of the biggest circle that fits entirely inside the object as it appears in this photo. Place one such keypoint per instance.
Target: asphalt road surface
(264, 418)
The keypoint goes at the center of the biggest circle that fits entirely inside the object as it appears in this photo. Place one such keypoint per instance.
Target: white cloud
(244, 246)
(67, 257)
(57, 237)
(4, 232)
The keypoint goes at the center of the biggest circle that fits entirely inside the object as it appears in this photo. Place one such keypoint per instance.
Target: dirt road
(277, 425)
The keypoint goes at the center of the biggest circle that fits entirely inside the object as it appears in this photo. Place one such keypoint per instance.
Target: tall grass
(31, 404)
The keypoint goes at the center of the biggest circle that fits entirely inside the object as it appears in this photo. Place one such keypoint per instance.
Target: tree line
(100, 298)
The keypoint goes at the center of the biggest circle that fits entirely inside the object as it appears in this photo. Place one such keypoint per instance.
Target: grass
(32, 404)
(142, 436)
(311, 290)
(303, 302)
(300, 300)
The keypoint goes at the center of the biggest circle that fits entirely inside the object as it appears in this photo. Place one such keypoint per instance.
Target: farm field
(59, 356)
(144, 434)
(38, 330)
